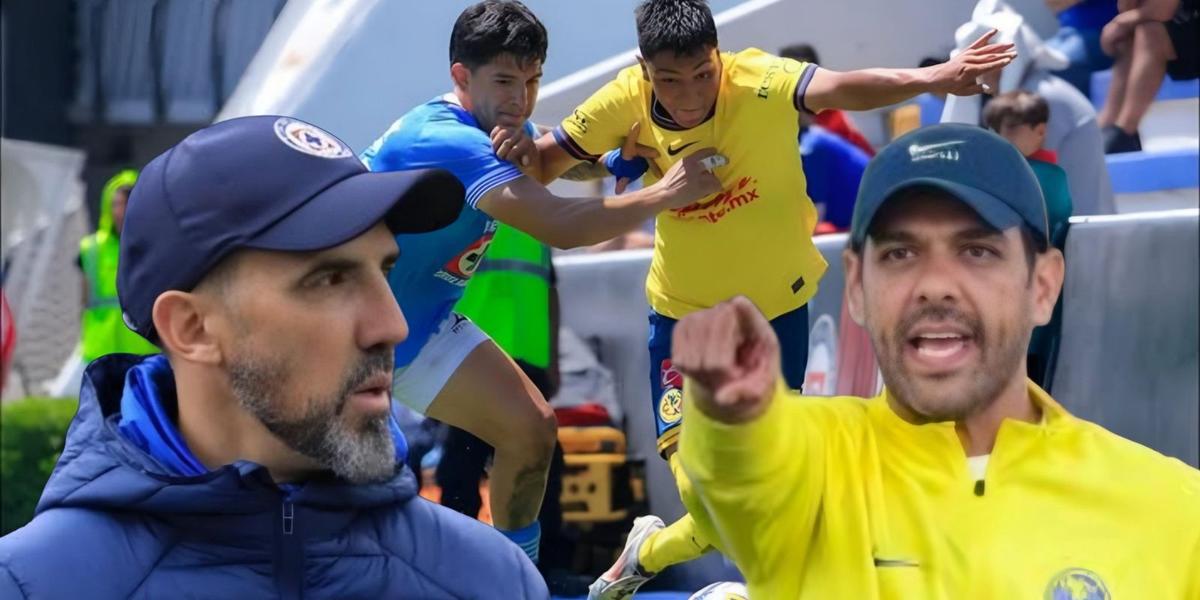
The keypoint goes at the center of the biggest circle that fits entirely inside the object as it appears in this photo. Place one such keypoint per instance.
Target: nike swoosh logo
(673, 151)
(918, 149)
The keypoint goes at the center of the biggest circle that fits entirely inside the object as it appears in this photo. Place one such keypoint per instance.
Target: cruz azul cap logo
(309, 139)
(942, 150)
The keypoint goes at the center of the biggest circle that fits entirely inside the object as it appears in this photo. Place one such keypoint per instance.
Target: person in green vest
(512, 298)
(103, 330)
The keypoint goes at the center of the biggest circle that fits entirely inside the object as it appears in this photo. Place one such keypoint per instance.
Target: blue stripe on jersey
(493, 180)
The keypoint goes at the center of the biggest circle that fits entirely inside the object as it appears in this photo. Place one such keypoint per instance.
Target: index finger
(983, 39)
(753, 324)
(500, 135)
(629, 148)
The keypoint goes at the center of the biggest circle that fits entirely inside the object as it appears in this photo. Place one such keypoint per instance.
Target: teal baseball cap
(970, 163)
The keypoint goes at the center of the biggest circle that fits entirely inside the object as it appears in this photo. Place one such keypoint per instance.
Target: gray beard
(362, 454)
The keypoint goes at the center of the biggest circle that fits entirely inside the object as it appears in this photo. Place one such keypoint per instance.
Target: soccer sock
(674, 544)
(678, 542)
(528, 538)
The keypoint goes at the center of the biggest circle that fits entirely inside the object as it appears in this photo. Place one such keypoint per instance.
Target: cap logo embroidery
(943, 150)
(309, 139)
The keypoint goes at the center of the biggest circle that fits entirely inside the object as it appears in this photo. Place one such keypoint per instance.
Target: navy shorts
(666, 383)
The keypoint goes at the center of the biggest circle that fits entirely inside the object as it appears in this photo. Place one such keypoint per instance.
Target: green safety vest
(103, 330)
(509, 296)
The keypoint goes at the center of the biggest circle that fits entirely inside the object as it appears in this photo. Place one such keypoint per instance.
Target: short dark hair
(801, 52)
(490, 28)
(682, 26)
(1017, 107)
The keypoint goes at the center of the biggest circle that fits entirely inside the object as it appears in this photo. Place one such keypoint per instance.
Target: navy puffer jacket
(112, 523)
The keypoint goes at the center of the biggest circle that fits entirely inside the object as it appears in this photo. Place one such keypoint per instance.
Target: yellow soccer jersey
(755, 237)
(841, 498)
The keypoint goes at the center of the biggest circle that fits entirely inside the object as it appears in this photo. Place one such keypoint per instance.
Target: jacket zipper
(289, 574)
(289, 516)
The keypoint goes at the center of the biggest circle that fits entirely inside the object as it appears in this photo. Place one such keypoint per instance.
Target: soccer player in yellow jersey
(752, 238)
(963, 479)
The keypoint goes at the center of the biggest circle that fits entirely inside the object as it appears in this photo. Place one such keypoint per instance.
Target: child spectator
(1020, 117)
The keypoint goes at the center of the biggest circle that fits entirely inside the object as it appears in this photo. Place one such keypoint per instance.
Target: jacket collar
(102, 469)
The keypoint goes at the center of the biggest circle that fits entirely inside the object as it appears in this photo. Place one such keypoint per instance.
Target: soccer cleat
(626, 575)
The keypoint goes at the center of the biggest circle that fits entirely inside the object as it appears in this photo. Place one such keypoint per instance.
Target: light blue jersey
(434, 267)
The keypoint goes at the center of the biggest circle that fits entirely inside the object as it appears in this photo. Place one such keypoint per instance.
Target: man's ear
(184, 323)
(1049, 270)
(852, 264)
(645, 71)
(461, 75)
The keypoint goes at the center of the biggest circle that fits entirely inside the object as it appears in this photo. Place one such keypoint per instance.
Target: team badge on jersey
(1077, 584)
(670, 406)
(309, 139)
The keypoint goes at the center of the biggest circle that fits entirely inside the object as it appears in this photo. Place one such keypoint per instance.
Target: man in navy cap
(963, 478)
(257, 457)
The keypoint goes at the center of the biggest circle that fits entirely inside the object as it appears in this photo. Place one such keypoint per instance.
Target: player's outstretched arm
(874, 88)
(571, 222)
(755, 460)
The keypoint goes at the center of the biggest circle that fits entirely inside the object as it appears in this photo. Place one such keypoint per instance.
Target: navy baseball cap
(972, 164)
(263, 182)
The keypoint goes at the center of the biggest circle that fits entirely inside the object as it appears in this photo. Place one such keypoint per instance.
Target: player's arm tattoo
(586, 171)
(528, 488)
(583, 171)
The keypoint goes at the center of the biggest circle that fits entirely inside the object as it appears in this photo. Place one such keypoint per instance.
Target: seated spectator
(832, 167)
(1147, 39)
(257, 457)
(1078, 38)
(1071, 132)
(833, 120)
(1020, 117)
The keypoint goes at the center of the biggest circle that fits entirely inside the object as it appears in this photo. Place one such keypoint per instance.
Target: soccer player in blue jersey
(447, 368)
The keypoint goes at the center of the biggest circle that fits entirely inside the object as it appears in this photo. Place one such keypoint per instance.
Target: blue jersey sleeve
(463, 150)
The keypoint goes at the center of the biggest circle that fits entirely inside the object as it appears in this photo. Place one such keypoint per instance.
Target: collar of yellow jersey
(938, 442)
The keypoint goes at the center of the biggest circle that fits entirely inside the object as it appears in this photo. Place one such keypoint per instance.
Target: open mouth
(940, 349)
